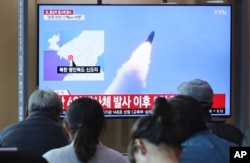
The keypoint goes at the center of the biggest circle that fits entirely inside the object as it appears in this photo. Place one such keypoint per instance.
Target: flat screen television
(127, 55)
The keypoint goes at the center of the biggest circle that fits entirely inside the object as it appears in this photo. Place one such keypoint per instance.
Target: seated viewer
(41, 130)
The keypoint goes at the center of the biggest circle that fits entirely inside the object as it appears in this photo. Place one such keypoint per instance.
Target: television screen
(127, 55)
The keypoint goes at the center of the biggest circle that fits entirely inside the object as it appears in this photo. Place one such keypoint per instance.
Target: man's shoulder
(206, 138)
(4, 133)
(198, 138)
(31, 124)
(10, 127)
(206, 147)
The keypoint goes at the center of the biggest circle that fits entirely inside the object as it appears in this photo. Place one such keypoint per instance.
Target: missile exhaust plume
(131, 76)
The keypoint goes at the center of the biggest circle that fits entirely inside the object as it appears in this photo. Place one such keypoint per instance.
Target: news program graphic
(239, 154)
(130, 104)
(75, 59)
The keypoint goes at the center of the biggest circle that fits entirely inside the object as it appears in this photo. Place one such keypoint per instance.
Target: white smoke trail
(131, 76)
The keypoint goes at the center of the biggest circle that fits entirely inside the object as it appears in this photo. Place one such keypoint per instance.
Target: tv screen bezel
(164, 4)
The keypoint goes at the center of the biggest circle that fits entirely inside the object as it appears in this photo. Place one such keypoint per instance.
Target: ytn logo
(220, 12)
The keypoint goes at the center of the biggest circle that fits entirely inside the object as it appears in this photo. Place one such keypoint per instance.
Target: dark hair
(86, 121)
(190, 114)
(158, 128)
(45, 100)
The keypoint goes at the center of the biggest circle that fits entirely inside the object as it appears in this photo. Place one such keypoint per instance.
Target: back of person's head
(227, 131)
(201, 90)
(159, 129)
(198, 89)
(45, 100)
(189, 113)
(85, 121)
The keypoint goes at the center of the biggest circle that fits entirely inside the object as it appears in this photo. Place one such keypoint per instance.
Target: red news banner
(134, 101)
(58, 12)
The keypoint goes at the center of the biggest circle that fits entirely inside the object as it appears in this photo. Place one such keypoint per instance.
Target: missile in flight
(131, 76)
(150, 37)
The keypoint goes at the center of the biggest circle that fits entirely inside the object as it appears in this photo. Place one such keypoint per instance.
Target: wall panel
(8, 62)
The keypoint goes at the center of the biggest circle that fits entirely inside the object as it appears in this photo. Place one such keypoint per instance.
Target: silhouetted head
(189, 114)
(85, 122)
(202, 91)
(157, 131)
(47, 101)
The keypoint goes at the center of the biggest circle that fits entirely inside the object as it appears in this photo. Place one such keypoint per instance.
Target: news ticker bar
(138, 101)
(239, 154)
(120, 112)
(129, 112)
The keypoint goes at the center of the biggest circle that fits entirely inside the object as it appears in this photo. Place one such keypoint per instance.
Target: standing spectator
(85, 122)
(41, 130)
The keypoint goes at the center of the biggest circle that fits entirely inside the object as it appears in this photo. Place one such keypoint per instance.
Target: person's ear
(140, 144)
